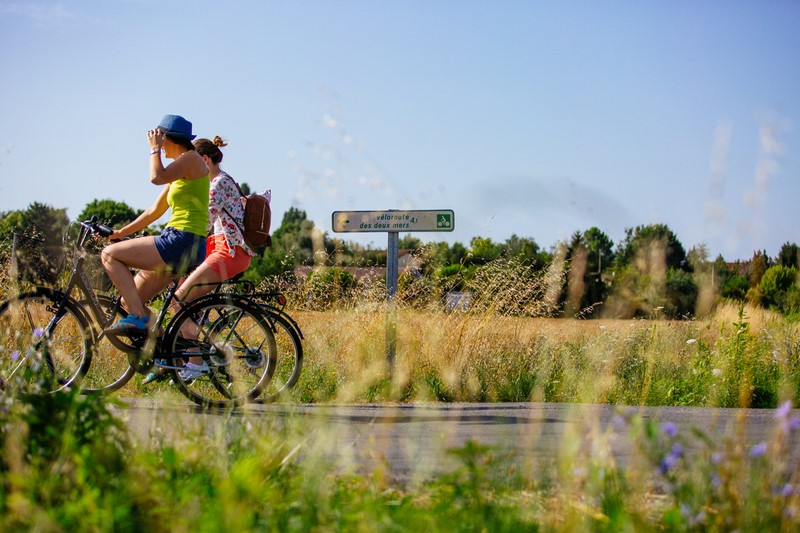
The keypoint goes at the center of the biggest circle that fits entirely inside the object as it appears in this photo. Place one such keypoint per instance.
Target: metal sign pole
(392, 260)
(392, 222)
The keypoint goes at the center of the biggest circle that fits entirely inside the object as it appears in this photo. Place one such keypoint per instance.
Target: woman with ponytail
(227, 254)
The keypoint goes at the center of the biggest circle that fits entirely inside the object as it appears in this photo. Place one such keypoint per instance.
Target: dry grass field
(68, 464)
(727, 359)
(506, 348)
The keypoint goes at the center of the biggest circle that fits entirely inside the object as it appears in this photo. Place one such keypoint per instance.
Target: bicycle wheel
(289, 357)
(234, 339)
(110, 369)
(43, 349)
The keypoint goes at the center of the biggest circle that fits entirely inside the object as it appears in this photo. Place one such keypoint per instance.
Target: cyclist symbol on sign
(442, 221)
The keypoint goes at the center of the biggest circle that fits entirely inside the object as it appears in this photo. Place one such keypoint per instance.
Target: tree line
(648, 273)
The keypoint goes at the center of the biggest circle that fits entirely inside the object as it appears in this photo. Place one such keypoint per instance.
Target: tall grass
(68, 463)
(506, 347)
(748, 361)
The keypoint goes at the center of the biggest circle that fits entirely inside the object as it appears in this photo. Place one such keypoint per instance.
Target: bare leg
(120, 257)
(189, 291)
(150, 283)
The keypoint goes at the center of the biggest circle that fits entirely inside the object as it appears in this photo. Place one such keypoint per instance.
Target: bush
(453, 277)
(62, 457)
(774, 285)
(681, 294)
(735, 288)
(327, 286)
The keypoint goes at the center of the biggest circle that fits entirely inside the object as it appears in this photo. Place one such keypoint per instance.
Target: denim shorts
(181, 250)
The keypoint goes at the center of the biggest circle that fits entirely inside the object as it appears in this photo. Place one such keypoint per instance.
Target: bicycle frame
(78, 279)
(261, 299)
(217, 338)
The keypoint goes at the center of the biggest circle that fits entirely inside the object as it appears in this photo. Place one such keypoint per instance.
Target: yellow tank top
(188, 200)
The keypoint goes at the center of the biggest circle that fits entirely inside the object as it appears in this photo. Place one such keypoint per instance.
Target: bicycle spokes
(44, 341)
(235, 342)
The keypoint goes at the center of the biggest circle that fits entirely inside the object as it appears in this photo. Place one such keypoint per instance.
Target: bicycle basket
(35, 261)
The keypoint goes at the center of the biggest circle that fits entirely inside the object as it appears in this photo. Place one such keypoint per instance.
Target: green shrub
(681, 296)
(326, 287)
(775, 285)
(735, 288)
(453, 277)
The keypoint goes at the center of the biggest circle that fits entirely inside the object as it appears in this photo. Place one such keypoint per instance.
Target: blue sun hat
(176, 126)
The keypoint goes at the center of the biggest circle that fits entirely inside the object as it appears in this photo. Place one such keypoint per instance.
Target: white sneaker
(193, 371)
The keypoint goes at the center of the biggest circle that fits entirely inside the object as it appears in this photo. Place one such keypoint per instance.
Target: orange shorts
(218, 257)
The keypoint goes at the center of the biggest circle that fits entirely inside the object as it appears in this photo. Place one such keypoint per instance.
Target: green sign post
(392, 222)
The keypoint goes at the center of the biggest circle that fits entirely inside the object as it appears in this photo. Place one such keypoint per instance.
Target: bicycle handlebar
(95, 227)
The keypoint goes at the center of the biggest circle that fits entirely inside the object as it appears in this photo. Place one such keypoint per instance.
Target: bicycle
(48, 337)
(287, 333)
(288, 340)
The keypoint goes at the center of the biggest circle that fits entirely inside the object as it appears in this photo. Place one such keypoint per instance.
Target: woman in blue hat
(182, 244)
(227, 253)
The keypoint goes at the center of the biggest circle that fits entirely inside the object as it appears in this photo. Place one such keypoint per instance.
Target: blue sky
(528, 117)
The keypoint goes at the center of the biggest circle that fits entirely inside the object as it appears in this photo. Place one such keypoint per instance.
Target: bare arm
(150, 215)
(185, 166)
(188, 165)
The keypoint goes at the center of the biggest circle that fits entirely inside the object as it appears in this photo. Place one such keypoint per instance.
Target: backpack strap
(241, 193)
(241, 229)
(238, 225)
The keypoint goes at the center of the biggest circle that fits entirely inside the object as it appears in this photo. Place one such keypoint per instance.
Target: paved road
(411, 441)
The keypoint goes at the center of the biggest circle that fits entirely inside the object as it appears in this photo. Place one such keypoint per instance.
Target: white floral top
(224, 195)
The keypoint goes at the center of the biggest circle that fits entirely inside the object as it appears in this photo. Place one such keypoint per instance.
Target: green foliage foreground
(69, 463)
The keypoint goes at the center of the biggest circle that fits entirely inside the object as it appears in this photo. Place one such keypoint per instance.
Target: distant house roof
(740, 268)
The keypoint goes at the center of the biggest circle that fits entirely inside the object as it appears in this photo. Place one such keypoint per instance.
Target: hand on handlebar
(116, 236)
(96, 228)
(101, 230)
(119, 236)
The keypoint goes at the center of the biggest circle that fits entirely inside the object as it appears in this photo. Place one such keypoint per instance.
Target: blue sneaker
(129, 323)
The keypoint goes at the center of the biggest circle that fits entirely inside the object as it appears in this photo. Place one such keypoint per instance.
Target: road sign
(393, 221)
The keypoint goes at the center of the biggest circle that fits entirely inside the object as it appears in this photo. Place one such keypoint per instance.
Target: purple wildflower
(672, 458)
(759, 449)
(670, 429)
(717, 457)
(677, 450)
(784, 410)
(794, 423)
(38, 332)
(668, 463)
(698, 519)
(15, 355)
(620, 422)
